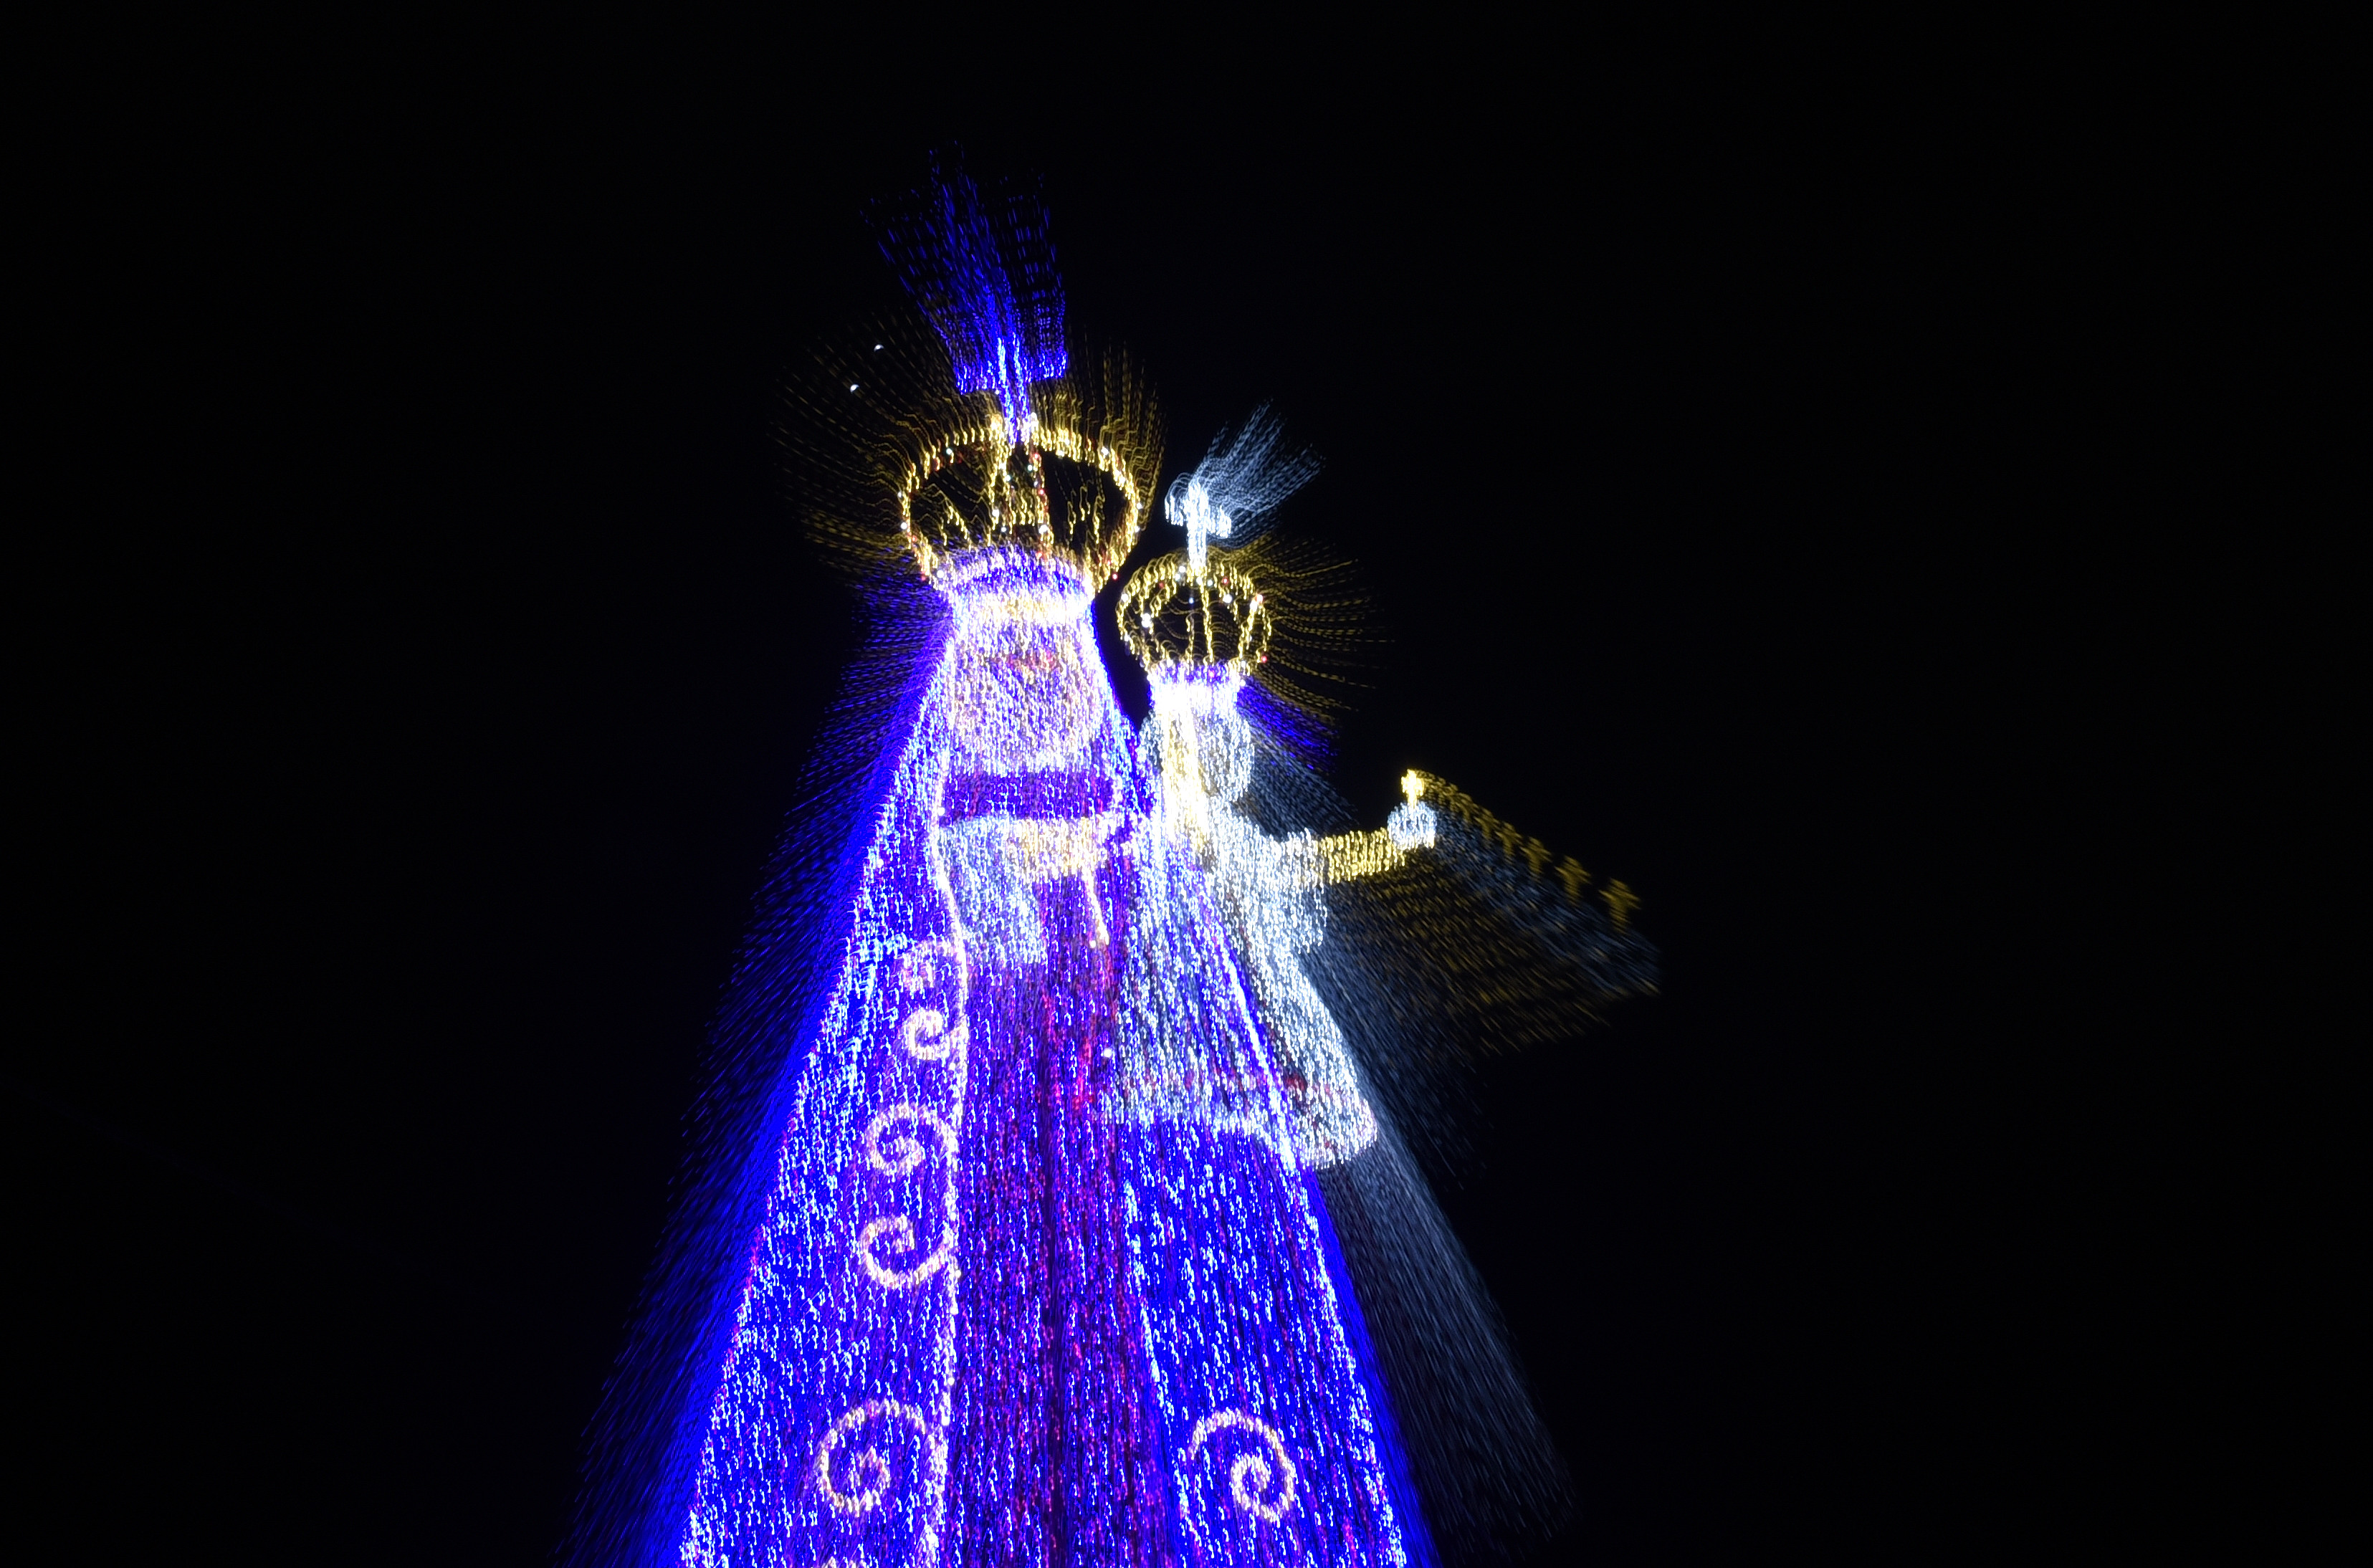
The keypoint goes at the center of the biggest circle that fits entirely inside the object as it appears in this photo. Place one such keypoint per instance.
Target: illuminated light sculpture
(1014, 1244)
(1003, 1305)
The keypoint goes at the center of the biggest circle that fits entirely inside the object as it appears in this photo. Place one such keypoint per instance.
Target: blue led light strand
(982, 267)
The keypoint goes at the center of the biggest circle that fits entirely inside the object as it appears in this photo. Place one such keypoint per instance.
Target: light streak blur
(1047, 1211)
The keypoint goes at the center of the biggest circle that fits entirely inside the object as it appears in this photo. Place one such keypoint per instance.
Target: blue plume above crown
(983, 270)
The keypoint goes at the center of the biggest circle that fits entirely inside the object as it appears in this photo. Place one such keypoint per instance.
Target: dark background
(430, 657)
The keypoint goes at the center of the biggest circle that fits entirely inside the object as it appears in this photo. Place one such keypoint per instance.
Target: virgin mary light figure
(1035, 1266)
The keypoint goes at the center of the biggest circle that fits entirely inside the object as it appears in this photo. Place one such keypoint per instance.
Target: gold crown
(1171, 613)
(1071, 484)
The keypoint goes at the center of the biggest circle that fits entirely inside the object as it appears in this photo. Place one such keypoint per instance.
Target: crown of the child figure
(1193, 609)
(1173, 615)
(1029, 454)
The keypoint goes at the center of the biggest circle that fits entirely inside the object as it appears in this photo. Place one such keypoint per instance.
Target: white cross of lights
(1203, 523)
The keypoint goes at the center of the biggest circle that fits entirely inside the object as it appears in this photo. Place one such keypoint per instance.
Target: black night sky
(432, 658)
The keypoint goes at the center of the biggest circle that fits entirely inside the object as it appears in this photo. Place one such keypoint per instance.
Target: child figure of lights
(1199, 628)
